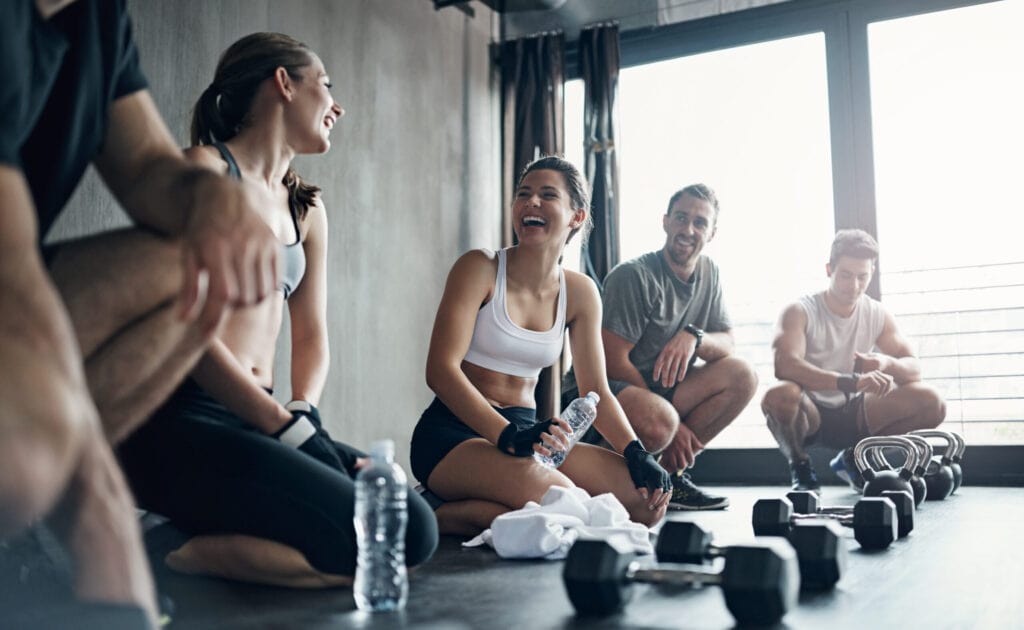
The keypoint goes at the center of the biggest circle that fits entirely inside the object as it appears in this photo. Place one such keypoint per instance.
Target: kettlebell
(876, 457)
(958, 473)
(878, 481)
(939, 474)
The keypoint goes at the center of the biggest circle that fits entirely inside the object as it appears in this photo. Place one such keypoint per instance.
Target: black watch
(696, 332)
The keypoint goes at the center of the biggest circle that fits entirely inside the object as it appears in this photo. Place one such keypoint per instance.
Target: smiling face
(689, 226)
(543, 208)
(313, 111)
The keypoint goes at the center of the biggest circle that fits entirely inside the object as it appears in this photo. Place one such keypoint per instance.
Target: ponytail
(300, 194)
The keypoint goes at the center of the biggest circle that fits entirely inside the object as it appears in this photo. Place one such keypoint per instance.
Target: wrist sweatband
(847, 383)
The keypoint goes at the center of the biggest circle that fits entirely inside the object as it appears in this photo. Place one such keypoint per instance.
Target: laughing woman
(263, 490)
(501, 320)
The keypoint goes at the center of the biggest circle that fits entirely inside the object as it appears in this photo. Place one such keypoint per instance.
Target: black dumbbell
(819, 550)
(760, 580)
(808, 503)
(873, 520)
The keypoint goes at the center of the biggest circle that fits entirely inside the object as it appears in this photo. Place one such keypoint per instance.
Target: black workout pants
(210, 478)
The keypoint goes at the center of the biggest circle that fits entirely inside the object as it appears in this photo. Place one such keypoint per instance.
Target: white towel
(547, 529)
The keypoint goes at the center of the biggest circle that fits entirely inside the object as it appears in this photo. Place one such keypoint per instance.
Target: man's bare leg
(910, 407)
(653, 418)
(96, 520)
(791, 418)
(120, 290)
(714, 394)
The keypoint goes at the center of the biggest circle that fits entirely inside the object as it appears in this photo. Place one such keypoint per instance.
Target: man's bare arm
(618, 365)
(896, 358)
(216, 218)
(790, 348)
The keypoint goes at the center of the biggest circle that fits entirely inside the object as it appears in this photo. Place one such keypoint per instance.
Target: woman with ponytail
(262, 490)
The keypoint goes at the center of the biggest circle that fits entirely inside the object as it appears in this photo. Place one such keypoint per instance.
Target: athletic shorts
(439, 431)
(841, 426)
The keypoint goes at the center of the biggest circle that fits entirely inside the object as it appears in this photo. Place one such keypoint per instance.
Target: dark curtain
(532, 73)
(599, 65)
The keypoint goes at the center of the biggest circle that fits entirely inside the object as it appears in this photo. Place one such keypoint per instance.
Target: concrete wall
(411, 182)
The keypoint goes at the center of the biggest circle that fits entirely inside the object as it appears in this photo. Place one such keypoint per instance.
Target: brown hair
(579, 197)
(223, 108)
(697, 191)
(855, 244)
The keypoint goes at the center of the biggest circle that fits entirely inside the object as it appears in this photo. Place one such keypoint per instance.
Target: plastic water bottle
(580, 414)
(381, 582)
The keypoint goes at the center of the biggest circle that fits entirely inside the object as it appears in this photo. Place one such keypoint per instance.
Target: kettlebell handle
(895, 441)
(951, 442)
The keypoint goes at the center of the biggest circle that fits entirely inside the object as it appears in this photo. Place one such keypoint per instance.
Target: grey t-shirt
(646, 304)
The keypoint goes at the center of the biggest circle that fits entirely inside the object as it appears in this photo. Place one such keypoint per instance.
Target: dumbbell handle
(672, 573)
(839, 517)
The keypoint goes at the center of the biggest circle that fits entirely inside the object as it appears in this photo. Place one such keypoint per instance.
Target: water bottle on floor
(381, 582)
(580, 414)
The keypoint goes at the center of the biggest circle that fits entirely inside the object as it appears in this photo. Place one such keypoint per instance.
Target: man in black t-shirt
(96, 332)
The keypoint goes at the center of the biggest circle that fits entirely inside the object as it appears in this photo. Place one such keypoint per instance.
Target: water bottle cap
(382, 448)
(593, 397)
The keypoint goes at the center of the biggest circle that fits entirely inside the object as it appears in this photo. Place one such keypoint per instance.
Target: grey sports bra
(294, 255)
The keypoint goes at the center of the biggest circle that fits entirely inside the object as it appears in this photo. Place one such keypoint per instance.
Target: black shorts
(439, 431)
(841, 426)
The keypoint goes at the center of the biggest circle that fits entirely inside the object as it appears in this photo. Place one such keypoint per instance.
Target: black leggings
(209, 476)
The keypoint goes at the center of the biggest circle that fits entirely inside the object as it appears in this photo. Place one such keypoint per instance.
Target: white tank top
(501, 345)
(831, 340)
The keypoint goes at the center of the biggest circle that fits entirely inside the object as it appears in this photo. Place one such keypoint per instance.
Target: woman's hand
(544, 437)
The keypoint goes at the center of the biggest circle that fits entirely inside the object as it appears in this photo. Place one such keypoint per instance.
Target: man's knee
(931, 407)
(781, 402)
(653, 418)
(741, 377)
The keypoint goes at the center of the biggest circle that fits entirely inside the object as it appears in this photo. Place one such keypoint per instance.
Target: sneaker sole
(682, 507)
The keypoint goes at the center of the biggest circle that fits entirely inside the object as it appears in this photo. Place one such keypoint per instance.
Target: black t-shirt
(63, 74)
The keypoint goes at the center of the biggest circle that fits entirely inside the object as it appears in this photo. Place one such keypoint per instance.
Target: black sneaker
(803, 477)
(686, 496)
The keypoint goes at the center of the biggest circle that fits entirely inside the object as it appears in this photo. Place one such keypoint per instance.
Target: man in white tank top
(845, 372)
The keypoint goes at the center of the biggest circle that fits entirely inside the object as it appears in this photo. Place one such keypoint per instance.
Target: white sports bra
(501, 345)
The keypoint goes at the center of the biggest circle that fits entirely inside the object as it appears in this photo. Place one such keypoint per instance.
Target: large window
(947, 108)
(752, 123)
(895, 116)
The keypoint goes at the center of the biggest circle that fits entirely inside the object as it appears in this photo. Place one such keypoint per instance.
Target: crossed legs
(479, 483)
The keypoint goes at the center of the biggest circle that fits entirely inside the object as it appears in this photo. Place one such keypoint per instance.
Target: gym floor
(961, 567)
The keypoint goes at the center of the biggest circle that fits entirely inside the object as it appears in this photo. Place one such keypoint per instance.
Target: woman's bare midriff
(501, 390)
(246, 333)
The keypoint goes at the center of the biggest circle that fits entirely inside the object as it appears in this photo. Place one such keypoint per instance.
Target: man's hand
(875, 382)
(871, 361)
(226, 242)
(674, 360)
(682, 451)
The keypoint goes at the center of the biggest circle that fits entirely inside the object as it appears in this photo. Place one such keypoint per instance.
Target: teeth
(533, 220)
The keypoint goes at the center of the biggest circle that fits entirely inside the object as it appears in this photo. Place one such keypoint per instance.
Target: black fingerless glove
(306, 433)
(645, 471)
(519, 442)
(349, 455)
